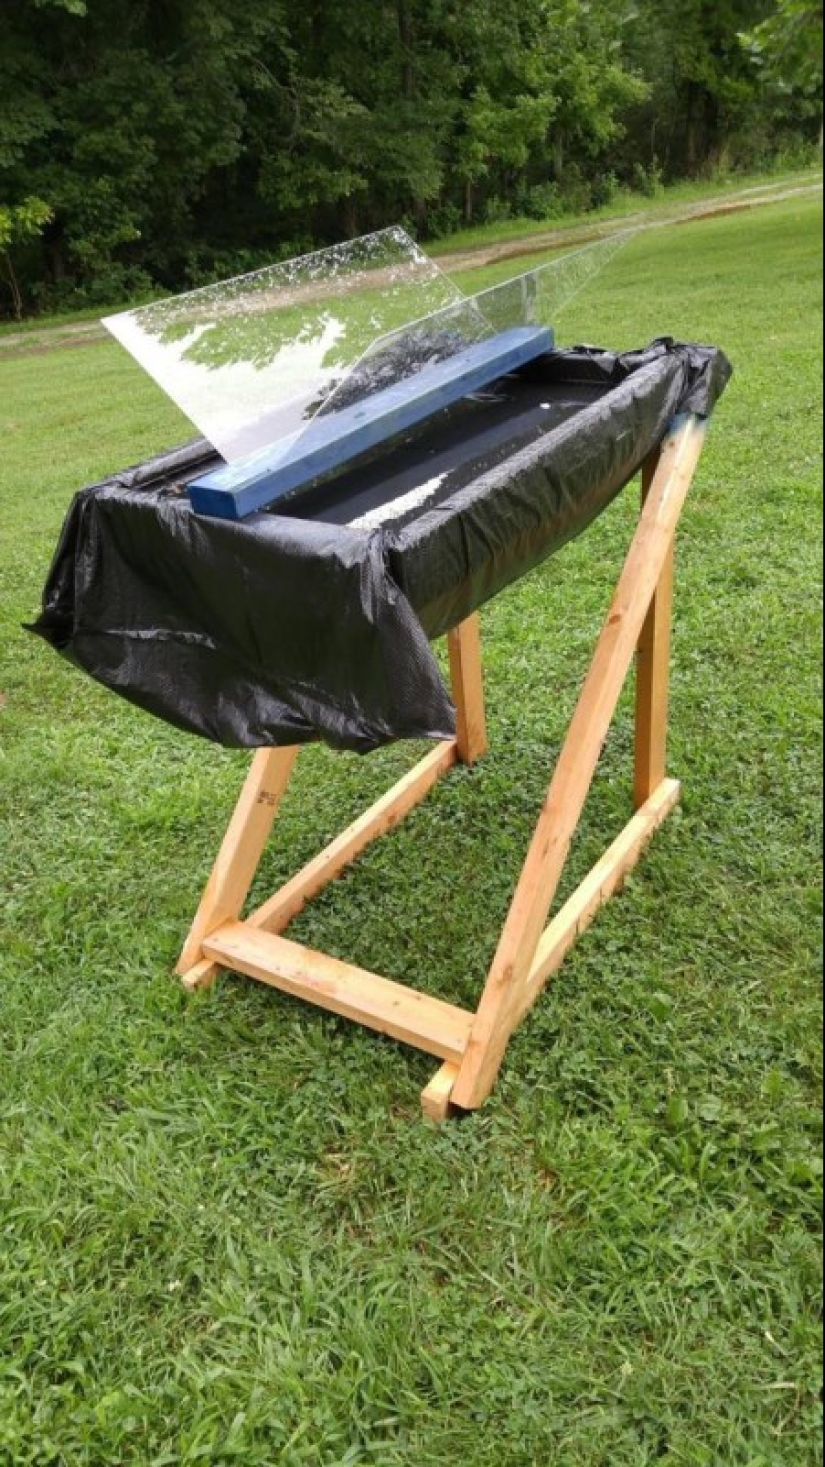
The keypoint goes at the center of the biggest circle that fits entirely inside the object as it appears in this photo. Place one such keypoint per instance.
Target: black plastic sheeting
(303, 625)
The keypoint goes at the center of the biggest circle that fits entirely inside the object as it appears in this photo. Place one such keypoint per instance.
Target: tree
(788, 47)
(18, 226)
(704, 96)
(543, 85)
(124, 116)
(596, 81)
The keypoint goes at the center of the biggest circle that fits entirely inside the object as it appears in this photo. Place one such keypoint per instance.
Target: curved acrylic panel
(531, 300)
(252, 360)
(295, 370)
(537, 297)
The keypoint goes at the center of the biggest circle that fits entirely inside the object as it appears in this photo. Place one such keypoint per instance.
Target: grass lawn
(225, 1234)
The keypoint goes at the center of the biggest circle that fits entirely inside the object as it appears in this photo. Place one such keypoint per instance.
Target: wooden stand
(473, 1045)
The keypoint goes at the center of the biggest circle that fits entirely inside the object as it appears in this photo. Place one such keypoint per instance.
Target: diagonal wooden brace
(502, 1005)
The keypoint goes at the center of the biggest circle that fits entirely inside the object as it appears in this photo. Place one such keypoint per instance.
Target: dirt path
(51, 338)
(554, 239)
(80, 334)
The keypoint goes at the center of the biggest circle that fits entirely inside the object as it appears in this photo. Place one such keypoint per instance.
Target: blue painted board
(335, 439)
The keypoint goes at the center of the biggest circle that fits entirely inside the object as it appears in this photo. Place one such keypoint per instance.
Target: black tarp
(292, 627)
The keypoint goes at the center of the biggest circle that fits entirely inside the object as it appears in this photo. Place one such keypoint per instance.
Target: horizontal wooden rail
(436, 1100)
(414, 1018)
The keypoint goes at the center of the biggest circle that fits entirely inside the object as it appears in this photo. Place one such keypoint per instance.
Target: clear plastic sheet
(261, 363)
(532, 299)
(251, 361)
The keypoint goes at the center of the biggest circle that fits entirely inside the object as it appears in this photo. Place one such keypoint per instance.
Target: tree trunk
(57, 258)
(352, 223)
(409, 87)
(16, 295)
(318, 18)
(692, 130)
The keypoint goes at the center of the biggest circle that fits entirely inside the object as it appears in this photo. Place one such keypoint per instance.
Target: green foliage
(18, 225)
(546, 85)
(73, 7)
(172, 140)
(789, 46)
(22, 222)
(227, 1237)
(704, 97)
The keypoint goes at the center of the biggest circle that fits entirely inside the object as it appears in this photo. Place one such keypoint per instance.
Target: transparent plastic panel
(402, 355)
(537, 297)
(278, 367)
(532, 300)
(251, 361)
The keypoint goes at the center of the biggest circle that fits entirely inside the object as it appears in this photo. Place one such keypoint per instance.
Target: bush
(606, 189)
(207, 267)
(540, 202)
(497, 211)
(442, 220)
(118, 284)
(648, 180)
(575, 191)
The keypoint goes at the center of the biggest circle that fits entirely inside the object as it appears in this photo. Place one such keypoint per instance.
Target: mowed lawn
(226, 1235)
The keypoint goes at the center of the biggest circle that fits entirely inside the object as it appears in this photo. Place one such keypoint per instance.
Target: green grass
(225, 1234)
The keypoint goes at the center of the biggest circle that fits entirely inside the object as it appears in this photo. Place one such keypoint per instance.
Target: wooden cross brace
(472, 1046)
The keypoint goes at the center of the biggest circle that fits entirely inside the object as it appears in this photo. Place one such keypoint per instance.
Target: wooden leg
(502, 1003)
(468, 689)
(436, 1101)
(244, 842)
(653, 675)
(238, 860)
